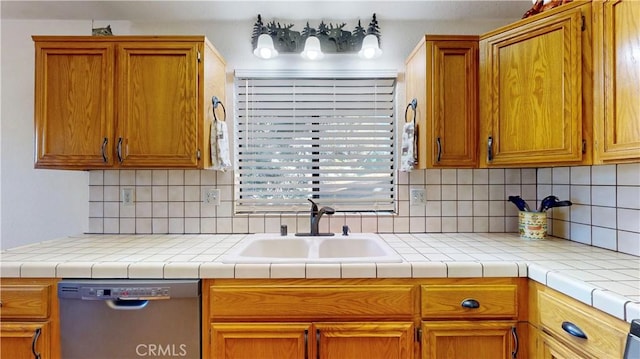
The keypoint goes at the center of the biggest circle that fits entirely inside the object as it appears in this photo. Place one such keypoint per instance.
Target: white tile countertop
(606, 280)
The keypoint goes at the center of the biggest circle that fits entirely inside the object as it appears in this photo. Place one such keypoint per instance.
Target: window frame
(384, 205)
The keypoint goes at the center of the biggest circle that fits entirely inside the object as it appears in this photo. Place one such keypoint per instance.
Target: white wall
(36, 205)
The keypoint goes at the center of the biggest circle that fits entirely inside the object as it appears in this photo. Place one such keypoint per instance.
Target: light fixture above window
(370, 48)
(312, 50)
(272, 38)
(265, 49)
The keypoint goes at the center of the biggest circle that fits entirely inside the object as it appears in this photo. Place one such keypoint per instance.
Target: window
(326, 139)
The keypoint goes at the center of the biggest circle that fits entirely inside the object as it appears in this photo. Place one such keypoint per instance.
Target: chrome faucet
(316, 215)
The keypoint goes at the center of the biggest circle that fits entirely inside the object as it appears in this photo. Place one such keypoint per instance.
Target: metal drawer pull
(119, 149)
(127, 304)
(104, 147)
(573, 330)
(306, 344)
(36, 335)
(439, 149)
(514, 353)
(318, 343)
(490, 149)
(470, 303)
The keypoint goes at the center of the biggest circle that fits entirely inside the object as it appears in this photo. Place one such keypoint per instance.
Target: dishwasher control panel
(106, 293)
(112, 290)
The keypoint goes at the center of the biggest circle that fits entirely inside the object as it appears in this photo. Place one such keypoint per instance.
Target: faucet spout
(316, 215)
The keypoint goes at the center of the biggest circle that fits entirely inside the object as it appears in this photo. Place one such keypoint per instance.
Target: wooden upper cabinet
(617, 81)
(158, 104)
(125, 101)
(74, 104)
(536, 90)
(442, 75)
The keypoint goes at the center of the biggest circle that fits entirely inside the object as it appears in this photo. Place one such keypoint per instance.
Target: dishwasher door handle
(127, 304)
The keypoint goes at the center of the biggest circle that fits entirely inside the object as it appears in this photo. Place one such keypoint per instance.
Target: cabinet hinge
(199, 51)
(584, 146)
(584, 24)
(418, 335)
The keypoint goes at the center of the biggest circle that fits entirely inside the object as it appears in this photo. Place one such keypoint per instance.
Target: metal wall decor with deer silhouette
(333, 38)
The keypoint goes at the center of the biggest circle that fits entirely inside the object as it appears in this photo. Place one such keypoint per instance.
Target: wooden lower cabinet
(26, 340)
(264, 340)
(363, 318)
(371, 340)
(324, 319)
(549, 348)
(29, 319)
(312, 340)
(471, 319)
(568, 328)
(469, 339)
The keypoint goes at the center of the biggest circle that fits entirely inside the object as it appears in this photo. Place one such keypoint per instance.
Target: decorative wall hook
(333, 38)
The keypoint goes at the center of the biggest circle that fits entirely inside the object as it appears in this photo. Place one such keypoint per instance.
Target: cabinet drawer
(24, 301)
(317, 302)
(469, 301)
(602, 340)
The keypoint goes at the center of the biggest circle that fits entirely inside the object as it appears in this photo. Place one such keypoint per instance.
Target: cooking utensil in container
(552, 202)
(520, 203)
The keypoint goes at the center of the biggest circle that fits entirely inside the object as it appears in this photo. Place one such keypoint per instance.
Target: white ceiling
(227, 10)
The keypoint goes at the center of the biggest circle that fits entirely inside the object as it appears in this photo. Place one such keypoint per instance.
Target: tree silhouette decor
(333, 37)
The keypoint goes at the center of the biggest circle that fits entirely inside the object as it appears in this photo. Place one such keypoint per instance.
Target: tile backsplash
(605, 211)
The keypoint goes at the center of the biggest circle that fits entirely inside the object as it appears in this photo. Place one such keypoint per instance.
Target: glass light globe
(265, 48)
(312, 50)
(370, 48)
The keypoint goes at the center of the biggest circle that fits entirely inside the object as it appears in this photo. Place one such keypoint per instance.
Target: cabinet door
(19, 340)
(157, 104)
(452, 101)
(365, 340)
(469, 339)
(442, 75)
(74, 105)
(617, 124)
(550, 348)
(531, 83)
(260, 340)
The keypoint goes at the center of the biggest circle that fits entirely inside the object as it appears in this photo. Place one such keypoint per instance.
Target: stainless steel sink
(273, 248)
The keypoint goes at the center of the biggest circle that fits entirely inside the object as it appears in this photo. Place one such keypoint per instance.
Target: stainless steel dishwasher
(632, 350)
(107, 319)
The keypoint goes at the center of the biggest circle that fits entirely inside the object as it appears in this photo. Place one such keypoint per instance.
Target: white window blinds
(330, 140)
